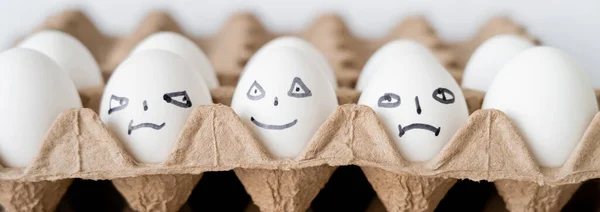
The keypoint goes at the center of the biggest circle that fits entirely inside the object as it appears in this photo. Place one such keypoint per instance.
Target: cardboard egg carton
(488, 147)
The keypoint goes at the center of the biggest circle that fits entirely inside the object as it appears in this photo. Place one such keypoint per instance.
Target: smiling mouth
(403, 130)
(272, 126)
(143, 125)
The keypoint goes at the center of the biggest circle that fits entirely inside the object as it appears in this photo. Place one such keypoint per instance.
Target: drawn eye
(443, 95)
(255, 92)
(389, 100)
(179, 99)
(117, 103)
(299, 89)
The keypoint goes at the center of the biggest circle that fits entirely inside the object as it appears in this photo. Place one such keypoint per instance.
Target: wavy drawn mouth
(143, 125)
(421, 126)
(272, 126)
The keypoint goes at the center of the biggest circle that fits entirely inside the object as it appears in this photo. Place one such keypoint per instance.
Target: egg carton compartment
(488, 147)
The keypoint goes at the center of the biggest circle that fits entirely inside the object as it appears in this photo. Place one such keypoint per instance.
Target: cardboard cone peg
(399, 192)
(526, 196)
(162, 193)
(32, 196)
(284, 190)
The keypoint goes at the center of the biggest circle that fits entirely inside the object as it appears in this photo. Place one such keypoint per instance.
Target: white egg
(390, 51)
(70, 54)
(308, 50)
(148, 100)
(418, 102)
(184, 47)
(35, 90)
(284, 99)
(489, 58)
(548, 98)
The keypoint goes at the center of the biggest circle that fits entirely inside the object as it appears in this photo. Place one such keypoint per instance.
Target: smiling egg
(390, 51)
(70, 54)
(418, 102)
(148, 100)
(489, 58)
(284, 98)
(35, 91)
(184, 47)
(308, 50)
(548, 98)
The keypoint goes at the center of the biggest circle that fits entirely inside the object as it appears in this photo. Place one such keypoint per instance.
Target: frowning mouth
(272, 126)
(421, 126)
(143, 125)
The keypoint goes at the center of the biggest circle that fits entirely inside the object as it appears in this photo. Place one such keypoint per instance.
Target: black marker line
(145, 105)
(403, 130)
(276, 102)
(273, 127)
(418, 105)
(142, 125)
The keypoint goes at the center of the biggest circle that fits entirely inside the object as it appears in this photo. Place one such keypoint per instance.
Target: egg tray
(488, 147)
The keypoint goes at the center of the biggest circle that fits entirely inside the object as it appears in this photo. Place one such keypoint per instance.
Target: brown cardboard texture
(487, 147)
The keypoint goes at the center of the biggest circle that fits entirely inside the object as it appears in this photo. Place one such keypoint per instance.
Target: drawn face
(147, 101)
(284, 100)
(419, 103)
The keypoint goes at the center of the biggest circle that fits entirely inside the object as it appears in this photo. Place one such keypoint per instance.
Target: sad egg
(418, 102)
(148, 100)
(284, 98)
(35, 90)
(308, 50)
(184, 47)
(70, 54)
(390, 51)
(548, 98)
(489, 58)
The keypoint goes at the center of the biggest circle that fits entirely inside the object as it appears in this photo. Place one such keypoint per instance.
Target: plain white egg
(148, 100)
(308, 50)
(548, 98)
(34, 90)
(70, 54)
(390, 51)
(284, 99)
(489, 58)
(419, 103)
(184, 47)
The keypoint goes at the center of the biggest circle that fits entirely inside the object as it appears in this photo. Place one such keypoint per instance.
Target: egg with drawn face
(419, 104)
(70, 54)
(283, 99)
(184, 47)
(390, 51)
(308, 50)
(148, 100)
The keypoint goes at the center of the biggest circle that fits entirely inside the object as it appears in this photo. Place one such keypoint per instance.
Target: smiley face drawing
(148, 100)
(419, 104)
(283, 98)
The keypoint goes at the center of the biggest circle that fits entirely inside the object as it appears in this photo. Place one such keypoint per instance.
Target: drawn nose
(145, 105)
(276, 102)
(418, 105)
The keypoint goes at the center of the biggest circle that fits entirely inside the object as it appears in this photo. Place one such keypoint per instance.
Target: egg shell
(70, 54)
(308, 50)
(548, 98)
(184, 47)
(489, 58)
(148, 100)
(390, 51)
(283, 99)
(418, 102)
(35, 91)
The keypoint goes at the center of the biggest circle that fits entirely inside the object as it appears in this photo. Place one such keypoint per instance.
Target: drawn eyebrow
(168, 97)
(123, 101)
(258, 88)
(292, 91)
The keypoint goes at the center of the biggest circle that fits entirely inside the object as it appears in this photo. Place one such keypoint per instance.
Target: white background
(573, 25)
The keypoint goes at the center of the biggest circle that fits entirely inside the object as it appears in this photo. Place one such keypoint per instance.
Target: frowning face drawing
(283, 99)
(148, 100)
(419, 104)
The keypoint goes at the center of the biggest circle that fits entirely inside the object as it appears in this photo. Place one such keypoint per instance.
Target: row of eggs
(287, 90)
